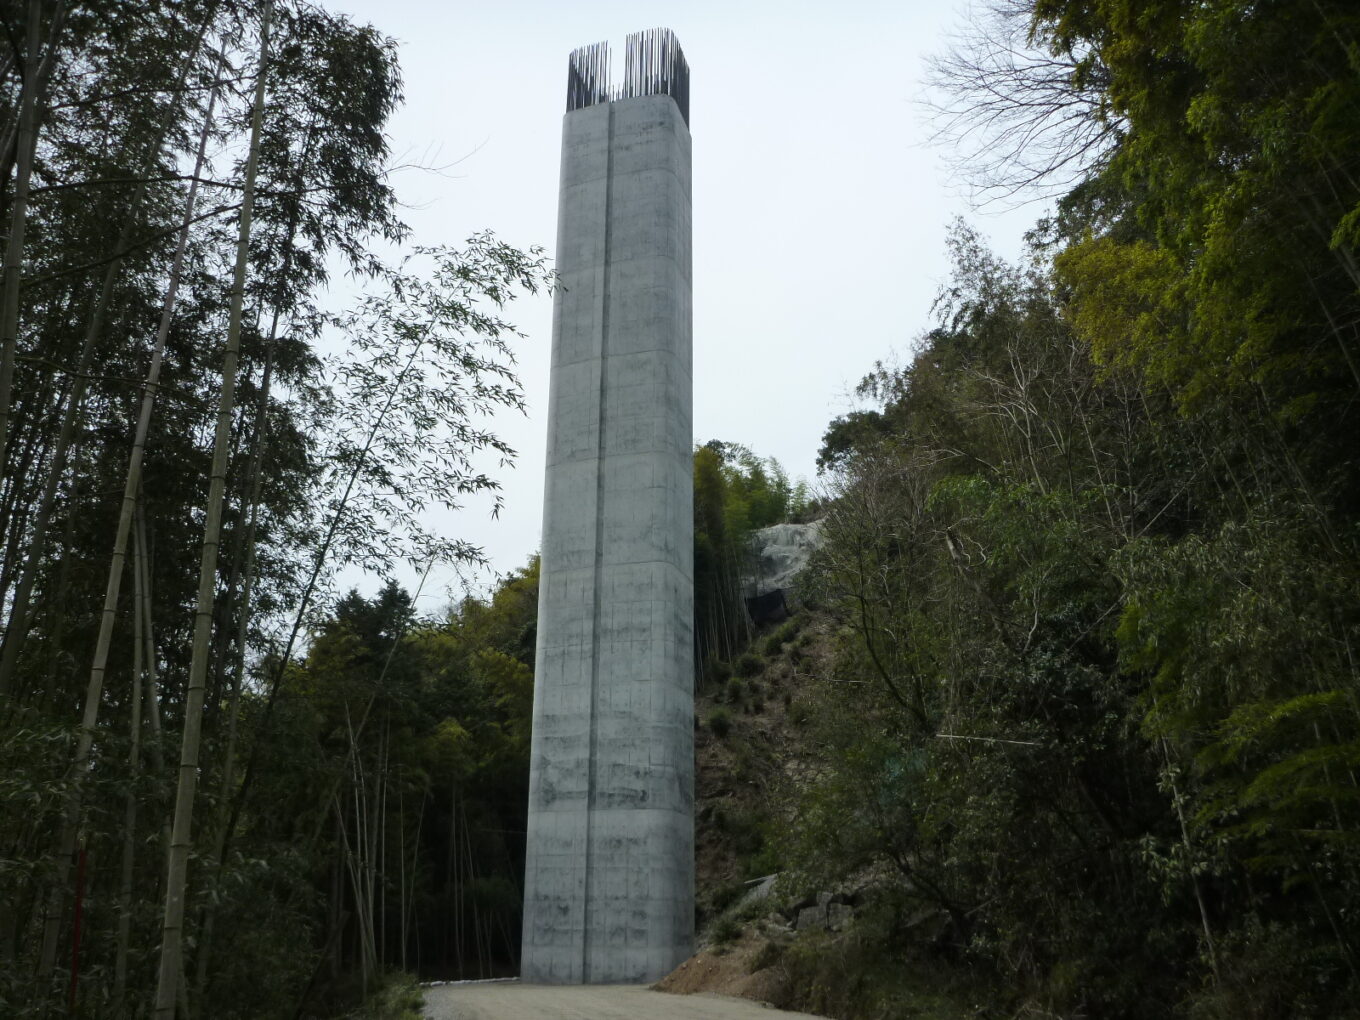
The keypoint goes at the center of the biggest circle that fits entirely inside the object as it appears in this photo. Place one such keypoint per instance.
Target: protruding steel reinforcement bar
(654, 65)
(588, 76)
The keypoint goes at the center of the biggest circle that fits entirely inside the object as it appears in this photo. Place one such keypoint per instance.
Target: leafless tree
(1020, 116)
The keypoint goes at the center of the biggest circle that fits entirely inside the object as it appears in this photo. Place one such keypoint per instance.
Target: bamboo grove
(1092, 728)
(193, 443)
(736, 493)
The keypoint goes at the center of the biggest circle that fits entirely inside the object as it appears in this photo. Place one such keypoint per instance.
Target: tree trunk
(133, 480)
(243, 570)
(27, 452)
(171, 961)
(259, 443)
(300, 615)
(19, 615)
(8, 141)
(14, 250)
(142, 564)
(238, 672)
(17, 632)
(21, 610)
(56, 636)
(130, 808)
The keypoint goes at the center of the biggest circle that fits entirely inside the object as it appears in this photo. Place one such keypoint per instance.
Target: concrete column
(609, 883)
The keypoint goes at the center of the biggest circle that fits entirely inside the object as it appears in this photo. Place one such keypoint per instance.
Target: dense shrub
(720, 722)
(749, 664)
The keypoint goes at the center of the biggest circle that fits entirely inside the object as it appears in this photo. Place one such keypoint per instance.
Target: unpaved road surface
(510, 1000)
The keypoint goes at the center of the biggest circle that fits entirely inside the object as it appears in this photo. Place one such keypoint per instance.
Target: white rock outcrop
(781, 552)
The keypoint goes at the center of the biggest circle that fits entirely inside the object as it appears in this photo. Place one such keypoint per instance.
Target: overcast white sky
(819, 208)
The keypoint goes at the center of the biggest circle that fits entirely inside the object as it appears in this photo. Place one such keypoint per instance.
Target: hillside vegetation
(1089, 723)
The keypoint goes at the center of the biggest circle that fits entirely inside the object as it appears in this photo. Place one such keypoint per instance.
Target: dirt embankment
(750, 754)
(727, 972)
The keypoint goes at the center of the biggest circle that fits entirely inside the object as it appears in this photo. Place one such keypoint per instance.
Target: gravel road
(509, 1000)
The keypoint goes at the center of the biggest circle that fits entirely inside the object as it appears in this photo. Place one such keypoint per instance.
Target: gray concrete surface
(513, 1001)
(609, 883)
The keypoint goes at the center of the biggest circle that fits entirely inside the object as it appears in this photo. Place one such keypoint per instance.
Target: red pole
(75, 928)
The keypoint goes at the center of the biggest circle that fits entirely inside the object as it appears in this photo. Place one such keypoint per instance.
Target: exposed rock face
(759, 889)
(831, 911)
(781, 552)
(810, 918)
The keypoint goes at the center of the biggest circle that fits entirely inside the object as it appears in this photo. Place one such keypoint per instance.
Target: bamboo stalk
(229, 764)
(243, 548)
(238, 658)
(94, 691)
(57, 634)
(26, 459)
(21, 609)
(171, 963)
(14, 250)
(16, 633)
(142, 564)
(130, 808)
(133, 478)
(8, 147)
(318, 562)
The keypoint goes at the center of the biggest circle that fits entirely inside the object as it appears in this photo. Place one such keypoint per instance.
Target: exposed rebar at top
(654, 65)
(588, 76)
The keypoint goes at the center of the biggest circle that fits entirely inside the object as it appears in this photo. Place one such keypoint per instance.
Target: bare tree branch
(1019, 121)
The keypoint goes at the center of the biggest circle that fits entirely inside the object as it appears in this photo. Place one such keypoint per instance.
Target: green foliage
(725, 931)
(1093, 705)
(399, 998)
(1273, 969)
(726, 895)
(720, 722)
(1228, 268)
(782, 635)
(768, 955)
(735, 494)
(756, 492)
(749, 664)
(764, 860)
(1236, 631)
(856, 430)
(444, 756)
(868, 975)
(429, 354)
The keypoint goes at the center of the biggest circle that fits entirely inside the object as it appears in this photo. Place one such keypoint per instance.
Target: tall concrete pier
(609, 883)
